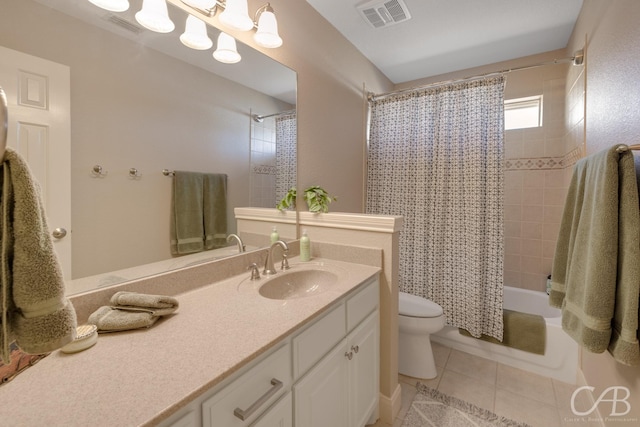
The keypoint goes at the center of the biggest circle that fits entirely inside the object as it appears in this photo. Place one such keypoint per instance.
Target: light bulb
(226, 51)
(267, 34)
(154, 16)
(112, 5)
(236, 15)
(195, 34)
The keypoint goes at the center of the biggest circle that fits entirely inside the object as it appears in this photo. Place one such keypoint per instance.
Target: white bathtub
(560, 360)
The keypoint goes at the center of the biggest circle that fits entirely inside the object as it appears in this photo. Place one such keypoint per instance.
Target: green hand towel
(596, 269)
(158, 305)
(110, 319)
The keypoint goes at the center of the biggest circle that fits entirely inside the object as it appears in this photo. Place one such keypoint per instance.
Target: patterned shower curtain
(436, 157)
(286, 154)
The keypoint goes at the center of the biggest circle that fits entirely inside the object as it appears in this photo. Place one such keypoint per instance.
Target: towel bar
(167, 172)
(624, 148)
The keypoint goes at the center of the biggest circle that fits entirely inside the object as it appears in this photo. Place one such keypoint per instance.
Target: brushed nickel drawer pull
(246, 413)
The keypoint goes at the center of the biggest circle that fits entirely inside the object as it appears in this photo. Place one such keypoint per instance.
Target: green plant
(289, 200)
(316, 197)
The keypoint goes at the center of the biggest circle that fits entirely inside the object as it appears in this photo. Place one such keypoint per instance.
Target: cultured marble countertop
(141, 377)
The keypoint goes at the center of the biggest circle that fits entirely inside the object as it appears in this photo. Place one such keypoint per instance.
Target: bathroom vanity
(228, 357)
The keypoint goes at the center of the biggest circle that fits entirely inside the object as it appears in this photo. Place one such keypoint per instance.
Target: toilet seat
(415, 306)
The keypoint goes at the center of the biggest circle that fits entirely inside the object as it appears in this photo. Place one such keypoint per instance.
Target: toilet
(418, 319)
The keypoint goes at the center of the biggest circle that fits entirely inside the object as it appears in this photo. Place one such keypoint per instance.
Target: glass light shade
(200, 4)
(236, 15)
(226, 51)
(267, 34)
(195, 34)
(112, 5)
(154, 16)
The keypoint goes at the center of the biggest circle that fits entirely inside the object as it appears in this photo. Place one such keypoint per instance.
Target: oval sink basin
(297, 284)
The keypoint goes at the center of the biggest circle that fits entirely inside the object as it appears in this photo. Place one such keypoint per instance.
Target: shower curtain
(436, 157)
(286, 154)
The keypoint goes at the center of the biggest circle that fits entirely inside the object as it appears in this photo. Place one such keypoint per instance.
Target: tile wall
(537, 174)
(263, 163)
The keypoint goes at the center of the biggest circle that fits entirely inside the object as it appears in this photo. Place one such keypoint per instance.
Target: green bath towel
(35, 312)
(596, 269)
(523, 331)
(215, 210)
(187, 225)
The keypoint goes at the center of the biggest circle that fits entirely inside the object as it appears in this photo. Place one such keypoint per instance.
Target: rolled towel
(109, 319)
(157, 305)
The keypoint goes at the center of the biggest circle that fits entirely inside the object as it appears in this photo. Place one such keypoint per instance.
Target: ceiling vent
(380, 14)
(123, 23)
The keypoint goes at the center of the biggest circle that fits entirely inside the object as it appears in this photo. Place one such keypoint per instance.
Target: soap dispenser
(274, 235)
(305, 247)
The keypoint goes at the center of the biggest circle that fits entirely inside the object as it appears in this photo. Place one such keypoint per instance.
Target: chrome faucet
(268, 264)
(241, 247)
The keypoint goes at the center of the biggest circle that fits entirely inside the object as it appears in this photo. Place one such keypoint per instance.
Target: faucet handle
(255, 271)
(285, 262)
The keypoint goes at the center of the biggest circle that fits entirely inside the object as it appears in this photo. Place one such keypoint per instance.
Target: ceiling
(442, 36)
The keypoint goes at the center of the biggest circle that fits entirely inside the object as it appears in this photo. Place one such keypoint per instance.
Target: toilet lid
(415, 306)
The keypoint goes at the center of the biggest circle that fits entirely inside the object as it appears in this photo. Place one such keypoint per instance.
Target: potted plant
(316, 197)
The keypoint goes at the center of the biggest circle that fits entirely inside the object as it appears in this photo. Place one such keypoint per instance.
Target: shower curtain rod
(258, 118)
(577, 59)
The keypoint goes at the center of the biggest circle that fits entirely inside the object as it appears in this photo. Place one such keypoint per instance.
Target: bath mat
(19, 362)
(433, 408)
(523, 331)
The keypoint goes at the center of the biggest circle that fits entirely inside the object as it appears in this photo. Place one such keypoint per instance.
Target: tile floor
(510, 392)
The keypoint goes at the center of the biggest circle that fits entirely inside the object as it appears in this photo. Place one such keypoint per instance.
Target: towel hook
(97, 171)
(134, 173)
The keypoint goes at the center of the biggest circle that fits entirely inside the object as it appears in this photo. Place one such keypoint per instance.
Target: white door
(38, 94)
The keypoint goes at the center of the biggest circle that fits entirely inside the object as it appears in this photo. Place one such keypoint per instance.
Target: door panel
(38, 94)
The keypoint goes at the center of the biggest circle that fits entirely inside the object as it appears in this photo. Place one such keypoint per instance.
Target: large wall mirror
(142, 100)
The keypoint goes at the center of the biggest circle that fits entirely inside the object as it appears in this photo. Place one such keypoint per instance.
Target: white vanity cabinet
(341, 390)
(327, 374)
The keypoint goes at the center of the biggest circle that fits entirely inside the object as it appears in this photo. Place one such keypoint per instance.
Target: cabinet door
(321, 395)
(364, 370)
(279, 415)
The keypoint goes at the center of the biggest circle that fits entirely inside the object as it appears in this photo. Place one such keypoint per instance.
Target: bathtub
(560, 360)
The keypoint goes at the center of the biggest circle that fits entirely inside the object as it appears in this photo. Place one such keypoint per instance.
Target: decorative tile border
(264, 169)
(543, 163)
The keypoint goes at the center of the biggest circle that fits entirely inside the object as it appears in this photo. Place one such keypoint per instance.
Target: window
(523, 113)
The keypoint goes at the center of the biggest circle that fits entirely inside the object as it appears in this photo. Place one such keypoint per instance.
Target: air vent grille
(380, 14)
(123, 23)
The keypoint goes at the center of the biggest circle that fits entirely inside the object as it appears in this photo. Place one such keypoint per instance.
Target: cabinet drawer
(259, 387)
(316, 341)
(361, 304)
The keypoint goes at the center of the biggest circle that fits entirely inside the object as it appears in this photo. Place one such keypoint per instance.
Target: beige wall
(134, 107)
(612, 36)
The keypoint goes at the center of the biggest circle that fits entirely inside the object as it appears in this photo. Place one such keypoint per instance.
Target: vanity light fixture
(154, 16)
(195, 34)
(226, 52)
(267, 28)
(112, 5)
(235, 15)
